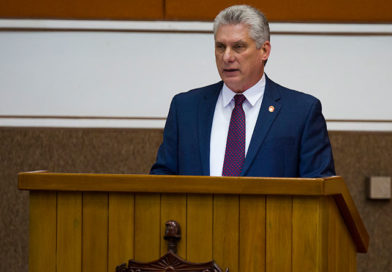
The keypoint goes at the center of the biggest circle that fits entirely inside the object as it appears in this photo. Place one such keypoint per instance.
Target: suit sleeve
(167, 157)
(316, 159)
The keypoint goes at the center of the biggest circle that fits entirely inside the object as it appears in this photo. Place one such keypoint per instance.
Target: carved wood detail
(170, 262)
(172, 235)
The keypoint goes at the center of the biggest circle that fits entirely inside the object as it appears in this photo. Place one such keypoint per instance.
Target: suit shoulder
(200, 92)
(294, 96)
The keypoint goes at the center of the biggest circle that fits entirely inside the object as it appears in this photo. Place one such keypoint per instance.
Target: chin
(232, 84)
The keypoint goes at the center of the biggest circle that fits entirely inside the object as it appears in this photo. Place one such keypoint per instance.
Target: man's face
(239, 62)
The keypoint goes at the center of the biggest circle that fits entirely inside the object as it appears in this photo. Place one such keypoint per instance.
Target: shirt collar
(252, 95)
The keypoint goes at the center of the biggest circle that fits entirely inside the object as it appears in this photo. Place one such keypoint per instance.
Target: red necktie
(235, 146)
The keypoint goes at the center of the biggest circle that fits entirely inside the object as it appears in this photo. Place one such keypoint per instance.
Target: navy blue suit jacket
(291, 141)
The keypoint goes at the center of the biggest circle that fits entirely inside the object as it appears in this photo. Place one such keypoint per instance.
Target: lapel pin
(271, 108)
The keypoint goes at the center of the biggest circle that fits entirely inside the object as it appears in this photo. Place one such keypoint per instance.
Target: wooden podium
(94, 222)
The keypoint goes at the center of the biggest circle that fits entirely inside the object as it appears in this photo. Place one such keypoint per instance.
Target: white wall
(127, 79)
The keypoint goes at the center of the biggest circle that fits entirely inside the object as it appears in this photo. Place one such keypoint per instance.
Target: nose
(228, 55)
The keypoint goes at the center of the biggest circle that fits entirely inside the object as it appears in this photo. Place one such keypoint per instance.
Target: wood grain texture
(42, 232)
(369, 11)
(83, 9)
(226, 232)
(252, 233)
(173, 207)
(170, 184)
(147, 227)
(324, 231)
(199, 228)
(342, 263)
(288, 10)
(69, 232)
(199, 10)
(346, 257)
(121, 232)
(307, 240)
(279, 238)
(333, 186)
(95, 232)
(333, 250)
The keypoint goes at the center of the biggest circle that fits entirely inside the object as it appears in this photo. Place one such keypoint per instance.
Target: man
(245, 125)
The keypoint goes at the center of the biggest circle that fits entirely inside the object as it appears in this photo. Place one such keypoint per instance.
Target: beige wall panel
(83, 9)
(226, 231)
(252, 233)
(69, 232)
(278, 234)
(95, 232)
(42, 253)
(306, 234)
(173, 207)
(147, 227)
(121, 229)
(199, 225)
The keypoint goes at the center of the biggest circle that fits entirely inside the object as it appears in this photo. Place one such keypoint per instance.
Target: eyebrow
(235, 42)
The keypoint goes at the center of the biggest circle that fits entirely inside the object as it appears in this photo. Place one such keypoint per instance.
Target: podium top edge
(43, 180)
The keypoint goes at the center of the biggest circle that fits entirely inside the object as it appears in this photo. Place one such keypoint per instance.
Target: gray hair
(243, 14)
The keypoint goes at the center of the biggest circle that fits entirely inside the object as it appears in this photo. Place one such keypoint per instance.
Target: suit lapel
(206, 109)
(263, 123)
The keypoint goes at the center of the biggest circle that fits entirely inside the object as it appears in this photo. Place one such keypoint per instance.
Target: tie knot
(239, 99)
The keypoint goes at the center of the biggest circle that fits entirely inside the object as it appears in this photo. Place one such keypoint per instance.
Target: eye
(238, 47)
(220, 47)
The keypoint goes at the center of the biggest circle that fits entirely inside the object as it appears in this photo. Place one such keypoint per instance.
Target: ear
(265, 50)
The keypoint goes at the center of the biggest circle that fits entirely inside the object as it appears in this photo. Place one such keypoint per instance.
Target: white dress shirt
(221, 121)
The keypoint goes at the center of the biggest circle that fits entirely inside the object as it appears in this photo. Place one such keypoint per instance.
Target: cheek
(218, 60)
(252, 62)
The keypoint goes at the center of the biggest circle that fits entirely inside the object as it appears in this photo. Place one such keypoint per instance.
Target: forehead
(232, 33)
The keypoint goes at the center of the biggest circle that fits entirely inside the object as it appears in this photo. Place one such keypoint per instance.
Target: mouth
(230, 70)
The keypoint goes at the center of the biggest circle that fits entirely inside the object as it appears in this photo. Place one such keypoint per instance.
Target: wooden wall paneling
(278, 233)
(307, 240)
(84, 9)
(370, 11)
(330, 11)
(121, 229)
(95, 232)
(199, 9)
(173, 207)
(69, 231)
(199, 228)
(288, 10)
(147, 227)
(226, 231)
(42, 252)
(252, 233)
